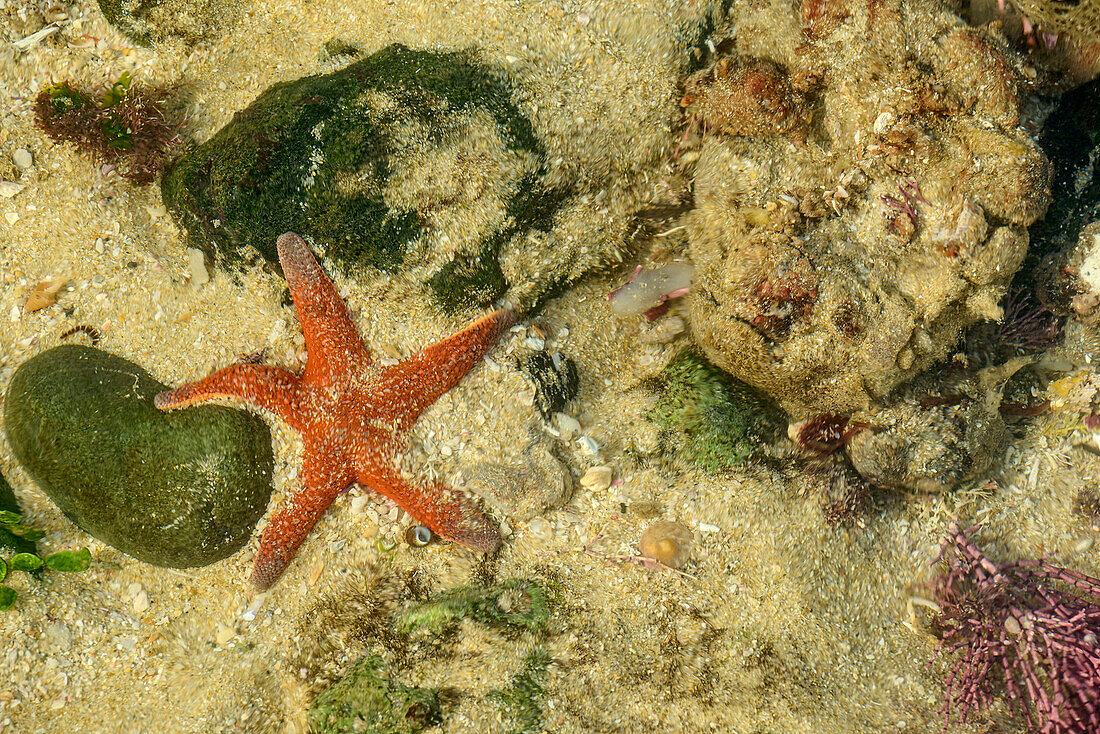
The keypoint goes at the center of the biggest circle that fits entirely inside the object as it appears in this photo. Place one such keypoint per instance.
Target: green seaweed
(521, 701)
(720, 422)
(30, 561)
(516, 604)
(365, 701)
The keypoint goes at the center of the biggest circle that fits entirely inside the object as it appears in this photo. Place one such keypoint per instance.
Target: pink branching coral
(1028, 623)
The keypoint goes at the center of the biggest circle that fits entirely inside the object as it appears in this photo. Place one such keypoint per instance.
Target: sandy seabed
(780, 623)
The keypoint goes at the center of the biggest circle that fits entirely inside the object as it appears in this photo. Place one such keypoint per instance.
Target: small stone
(196, 264)
(22, 158)
(358, 504)
(567, 426)
(541, 529)
(11, 217)
(224, 634)
(598, 478)
(141, 601)
(9, 189)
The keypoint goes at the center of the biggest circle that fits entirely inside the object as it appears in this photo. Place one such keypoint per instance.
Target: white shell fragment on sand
(9, 189)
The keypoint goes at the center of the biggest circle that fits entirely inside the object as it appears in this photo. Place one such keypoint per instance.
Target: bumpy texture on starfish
(352, 415)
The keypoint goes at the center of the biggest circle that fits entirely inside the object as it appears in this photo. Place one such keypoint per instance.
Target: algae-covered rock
(173, 489)
(407, 159)
(365, 702)
(717, 422)
(152, 21)
(513, 605)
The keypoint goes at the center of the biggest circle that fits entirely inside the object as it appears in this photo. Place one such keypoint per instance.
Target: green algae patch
(405, 160)
(717, 422)
(517, 604)
(522, 701)
(181, 488)
(364, 701)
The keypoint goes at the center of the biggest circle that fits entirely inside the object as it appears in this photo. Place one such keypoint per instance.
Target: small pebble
(567, 426)
(1083, 545)
(196, 265)
(225, 634)
(22, 159)
(541, 528)
(141, 602)
(9, 189)
(358, 504)
(598, 478)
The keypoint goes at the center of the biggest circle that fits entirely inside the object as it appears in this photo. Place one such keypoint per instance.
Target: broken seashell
(44, 294)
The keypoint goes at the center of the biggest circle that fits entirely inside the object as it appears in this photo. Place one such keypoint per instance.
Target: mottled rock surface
(173, 489)
(871, 202)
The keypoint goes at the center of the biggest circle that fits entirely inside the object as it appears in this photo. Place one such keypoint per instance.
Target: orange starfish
(352, 415)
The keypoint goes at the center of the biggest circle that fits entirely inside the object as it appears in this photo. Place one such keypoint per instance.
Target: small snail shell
(418, 536)
(667, 541)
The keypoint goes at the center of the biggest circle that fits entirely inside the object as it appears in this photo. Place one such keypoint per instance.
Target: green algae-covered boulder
(407, 160)
(364, 701)
(178, 489)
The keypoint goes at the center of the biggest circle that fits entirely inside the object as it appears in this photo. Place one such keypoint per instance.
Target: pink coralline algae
(1029, 624)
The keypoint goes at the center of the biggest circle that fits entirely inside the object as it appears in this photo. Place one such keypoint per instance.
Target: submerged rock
(173, 489)
(8, 503)
(406, 159)
(941, 433)
(539, 483)
(153, 21)
(867, 208)
(715, 422)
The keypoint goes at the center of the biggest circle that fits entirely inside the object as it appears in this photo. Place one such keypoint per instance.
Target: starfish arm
(323, 479)
(417, 382)
(271, 388)
(332, 341)
(449, 513)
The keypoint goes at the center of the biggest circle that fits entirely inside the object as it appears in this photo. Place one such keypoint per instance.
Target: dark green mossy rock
(405, 160)
(365, 702)
(716, 422)
(8, 503)
(516, 604)
(181, 488)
